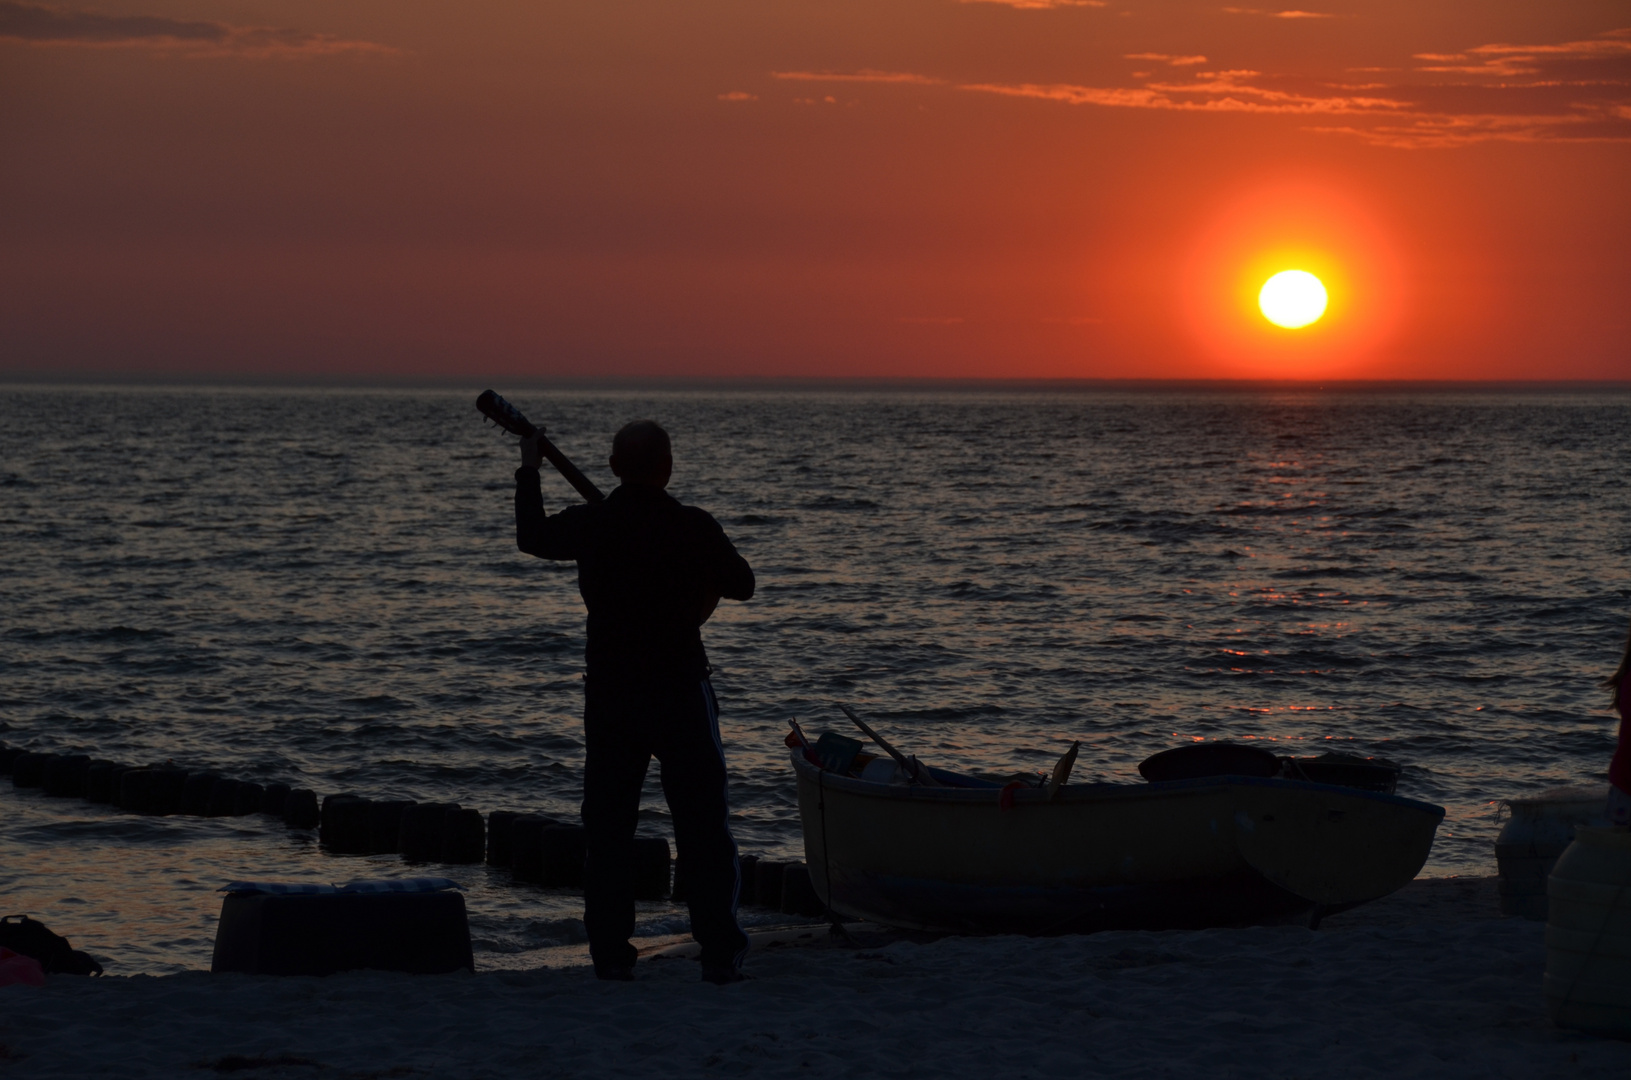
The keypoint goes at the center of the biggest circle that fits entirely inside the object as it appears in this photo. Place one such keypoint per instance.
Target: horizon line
(263, 381)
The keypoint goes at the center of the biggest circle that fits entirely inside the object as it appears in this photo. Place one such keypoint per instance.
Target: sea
(321, 587)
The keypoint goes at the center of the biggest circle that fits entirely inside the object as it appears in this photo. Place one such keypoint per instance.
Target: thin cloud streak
(1397, 122)
(1164, 58)
(1278, 14)
(862, 76)
(37, 25)
(1509, 61)
(1214, 91)
(1595, 76)
(1041, 5)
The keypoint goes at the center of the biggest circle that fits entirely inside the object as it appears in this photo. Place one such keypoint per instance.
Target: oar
(900, 759)
(911, 766)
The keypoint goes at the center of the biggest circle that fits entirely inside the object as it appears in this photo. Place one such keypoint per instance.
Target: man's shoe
(614, 972)
(722, 976)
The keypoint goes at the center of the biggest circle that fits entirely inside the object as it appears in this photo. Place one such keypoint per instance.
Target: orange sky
(1004, 188)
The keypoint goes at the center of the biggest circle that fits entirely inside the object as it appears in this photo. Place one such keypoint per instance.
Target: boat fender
(1005, 801)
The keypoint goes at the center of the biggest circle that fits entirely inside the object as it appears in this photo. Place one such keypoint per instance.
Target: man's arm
(731, 575)
(736, 578)
(536, 533)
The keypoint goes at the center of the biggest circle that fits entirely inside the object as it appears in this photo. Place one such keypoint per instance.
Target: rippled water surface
(321, 587)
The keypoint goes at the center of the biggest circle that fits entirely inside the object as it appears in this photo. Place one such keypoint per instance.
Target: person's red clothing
(1619, 769)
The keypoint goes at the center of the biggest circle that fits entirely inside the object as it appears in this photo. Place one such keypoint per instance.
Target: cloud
(1279, 14)
(36, 24)
(1575, 91)
(1163, 58)
(1212, 91)
(738, 95)
(1041, 5)
(1512, 61)
(863, 76)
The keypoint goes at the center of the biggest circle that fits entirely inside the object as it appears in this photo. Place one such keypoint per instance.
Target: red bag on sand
(17, 968)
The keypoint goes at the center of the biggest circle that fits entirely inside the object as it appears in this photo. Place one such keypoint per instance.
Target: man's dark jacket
(647, 565)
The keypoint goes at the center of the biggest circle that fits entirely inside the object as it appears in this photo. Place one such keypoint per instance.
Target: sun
(1292, 299)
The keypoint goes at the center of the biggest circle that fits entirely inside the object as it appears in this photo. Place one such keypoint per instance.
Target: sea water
(321, 587)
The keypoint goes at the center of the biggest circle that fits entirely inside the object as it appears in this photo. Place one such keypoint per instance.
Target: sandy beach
(1429, 982)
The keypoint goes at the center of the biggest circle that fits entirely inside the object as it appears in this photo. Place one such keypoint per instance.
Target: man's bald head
(641, 454)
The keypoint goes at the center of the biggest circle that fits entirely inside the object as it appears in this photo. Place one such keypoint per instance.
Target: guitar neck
(574, 476)
(508, 417)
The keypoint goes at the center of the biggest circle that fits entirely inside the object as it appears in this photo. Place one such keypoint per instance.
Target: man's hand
(531, 455)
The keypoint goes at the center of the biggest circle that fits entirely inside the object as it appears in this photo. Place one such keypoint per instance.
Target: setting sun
(1292, 299)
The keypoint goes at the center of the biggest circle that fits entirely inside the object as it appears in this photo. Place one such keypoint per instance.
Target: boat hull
(1220, 851)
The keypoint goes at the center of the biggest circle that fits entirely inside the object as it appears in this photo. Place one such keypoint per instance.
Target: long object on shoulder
(509, 418)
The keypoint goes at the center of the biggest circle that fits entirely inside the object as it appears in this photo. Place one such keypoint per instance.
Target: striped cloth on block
(277, 888)
(400, 885)
(376, 885)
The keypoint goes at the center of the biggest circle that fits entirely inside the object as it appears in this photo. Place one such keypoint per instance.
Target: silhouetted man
(651, 571)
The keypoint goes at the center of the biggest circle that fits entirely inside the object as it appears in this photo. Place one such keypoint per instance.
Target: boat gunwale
(1086, 793)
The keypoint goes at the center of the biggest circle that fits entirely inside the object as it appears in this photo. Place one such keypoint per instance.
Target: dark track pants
(624, 728)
